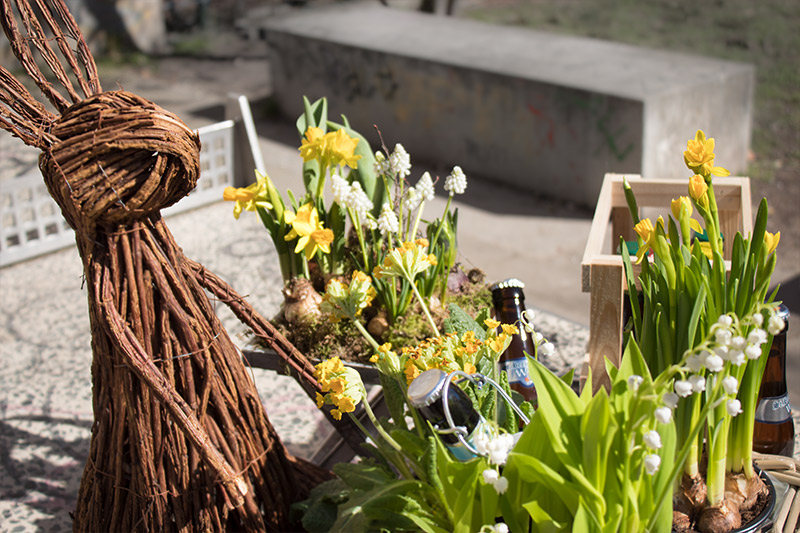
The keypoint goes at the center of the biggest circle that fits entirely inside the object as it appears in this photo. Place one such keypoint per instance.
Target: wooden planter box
(602, 272)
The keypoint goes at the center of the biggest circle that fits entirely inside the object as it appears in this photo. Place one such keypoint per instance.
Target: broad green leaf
(598, 430)
(561, 410)
(395, 399)
(460, 322)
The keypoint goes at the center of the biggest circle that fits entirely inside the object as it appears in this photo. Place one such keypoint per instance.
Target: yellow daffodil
(771, 241)
(682, 202)
(699, 156)
(306, 225)
(647, 232)
(682, 207)
(313, 146)
(341, 148)
(698, 190)
(347, 301)
(248, 198)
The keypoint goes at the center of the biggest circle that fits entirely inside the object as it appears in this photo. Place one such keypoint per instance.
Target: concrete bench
(543, 112)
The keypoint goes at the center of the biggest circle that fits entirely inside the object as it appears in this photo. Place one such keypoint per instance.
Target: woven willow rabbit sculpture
(181, 440)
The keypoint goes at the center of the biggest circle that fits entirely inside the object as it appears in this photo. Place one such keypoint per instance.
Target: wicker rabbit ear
(46, 35)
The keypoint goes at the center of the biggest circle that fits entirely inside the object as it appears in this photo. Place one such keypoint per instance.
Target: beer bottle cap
(510, 283)
(426, 388)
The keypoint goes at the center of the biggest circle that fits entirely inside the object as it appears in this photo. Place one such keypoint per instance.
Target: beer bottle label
(517, 370)
(773, 410)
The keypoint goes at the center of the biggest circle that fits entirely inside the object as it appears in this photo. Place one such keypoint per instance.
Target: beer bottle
(509, 303)
(425, 394)
(774, 427)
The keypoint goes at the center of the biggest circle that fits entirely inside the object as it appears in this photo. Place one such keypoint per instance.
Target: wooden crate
(602, 272)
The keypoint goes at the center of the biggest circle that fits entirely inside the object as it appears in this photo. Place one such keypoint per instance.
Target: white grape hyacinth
(456, 182)
(400, 161)
(425, 187)
(341, 189)
(387, 221)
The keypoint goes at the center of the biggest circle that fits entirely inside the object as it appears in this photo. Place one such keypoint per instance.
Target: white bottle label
(517, 370)
(773, 410)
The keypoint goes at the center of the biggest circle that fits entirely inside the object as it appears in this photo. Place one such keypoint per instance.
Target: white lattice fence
(31, 223)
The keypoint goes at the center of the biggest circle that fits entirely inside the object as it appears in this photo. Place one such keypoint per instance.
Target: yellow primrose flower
(341, 148)
(405, 261)
(497, 344)
(699, 156)
(509, 329)
(698, 189)
(342, 386)
(313, 146)
(411, 371)
(306, 225)
(771, 241)
(347, 301)
(248, 198)
(469, 368)
(491, 323)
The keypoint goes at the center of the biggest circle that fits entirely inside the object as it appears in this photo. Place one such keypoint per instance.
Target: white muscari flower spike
(734, 407)
(381, 164)
(670, 399)
(456, 182)
(412, 199)
(651, 463)
(400, 161)
(683, 388)
(730, 385)
(698, 383)
(775, 325)
(634, 382)
(652, 439)
(663, 414)
(425, 187)
(359, 202)
(713, 362)
(387, 221)
(341, 189)
(752, 351)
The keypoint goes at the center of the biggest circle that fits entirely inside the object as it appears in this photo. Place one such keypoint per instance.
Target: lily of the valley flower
(651, 463)
(248, 198)
(699, 156)
(652, 439)
(306, 225)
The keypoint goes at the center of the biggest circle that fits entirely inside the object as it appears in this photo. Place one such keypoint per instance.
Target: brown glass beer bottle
(774, 427)
(509, 303)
